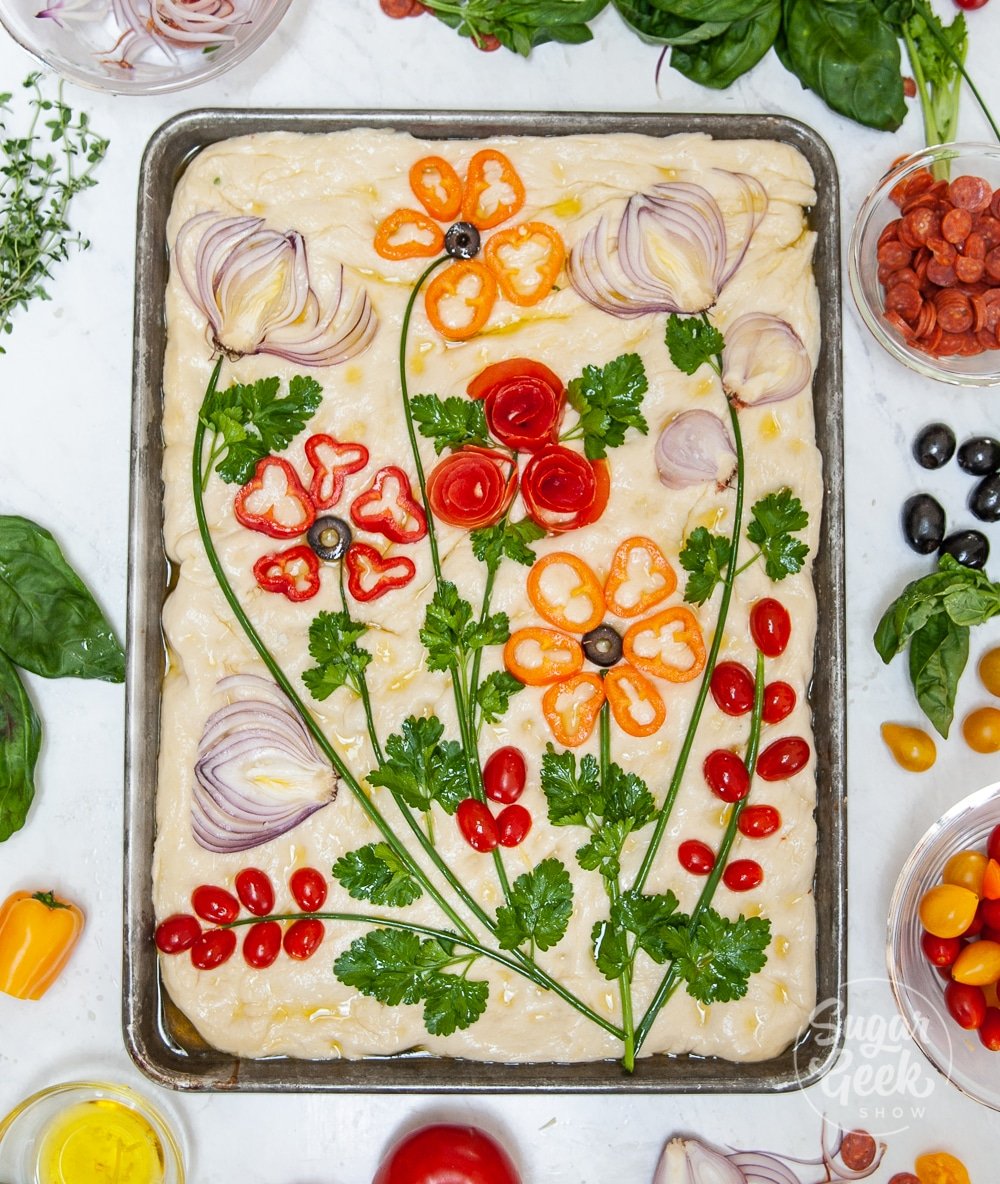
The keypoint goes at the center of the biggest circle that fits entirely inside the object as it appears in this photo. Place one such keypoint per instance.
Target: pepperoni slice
(989, 228)
(995, 204)
(969, 271)
(890, 230)
(975, 246)
(899, 325)
(920, 224)
(894, 255)
(942, 274)
(927, 320)
(970, 193)
(942, 250)
(992, 262)
(949, 344)
(905, 275)
(954, 312)
(956, 225)
(904, 299)
(978, 313)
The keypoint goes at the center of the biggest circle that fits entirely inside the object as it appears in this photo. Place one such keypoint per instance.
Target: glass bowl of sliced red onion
(924, 263)
(140, 46)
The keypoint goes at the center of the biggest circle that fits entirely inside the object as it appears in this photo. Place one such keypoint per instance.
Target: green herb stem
(477, 657)
(960, 66)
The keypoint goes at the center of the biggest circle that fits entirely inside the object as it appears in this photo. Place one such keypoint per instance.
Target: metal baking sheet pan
(159, 1038)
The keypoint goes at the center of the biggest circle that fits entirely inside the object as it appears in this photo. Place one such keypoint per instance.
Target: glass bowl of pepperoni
(924, 263)
(942, 949)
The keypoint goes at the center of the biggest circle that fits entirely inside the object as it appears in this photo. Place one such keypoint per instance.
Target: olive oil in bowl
(101, 1141)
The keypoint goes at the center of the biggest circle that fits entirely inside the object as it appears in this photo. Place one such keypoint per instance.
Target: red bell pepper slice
(388, 507)
(274, 501)
(331, 461)
(294, 573)
(370, 576)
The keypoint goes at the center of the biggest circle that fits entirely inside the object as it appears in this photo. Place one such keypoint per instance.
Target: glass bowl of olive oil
(86, 1132)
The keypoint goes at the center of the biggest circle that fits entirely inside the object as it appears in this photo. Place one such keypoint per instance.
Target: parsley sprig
(608, 400)
(693, 342)
(451, 422)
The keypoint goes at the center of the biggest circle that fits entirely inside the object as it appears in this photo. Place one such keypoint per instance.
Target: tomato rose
(472, 487)
(446, 1154)
(523, 401)
(563, 490)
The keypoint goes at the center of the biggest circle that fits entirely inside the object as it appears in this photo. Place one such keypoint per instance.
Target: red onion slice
(689, 1161)
(763, 361)
(694, 448)
(758, 1167)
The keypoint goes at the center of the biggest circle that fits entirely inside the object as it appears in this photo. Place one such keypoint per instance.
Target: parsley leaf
(541, 904)
(450, 633)
(774, 520)
(450, 422)
(495, 693)
(570, 794)
(609, 400)
(453, 1003)
(376, 873)
(254, 421)
(421, 768)
(716, 957)
(491, 543)
(653, 920)
(692, 341)
(705, 556)
(333, 639)
(609, 945)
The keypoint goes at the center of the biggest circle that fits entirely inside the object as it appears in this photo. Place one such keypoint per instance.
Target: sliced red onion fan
(693, 449)
(258, 773)
(763, 361)
(673, 249)
(689, 1161)
(252, 284)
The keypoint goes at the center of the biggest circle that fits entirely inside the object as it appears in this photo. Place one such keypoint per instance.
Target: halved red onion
(758, 1167)
(763, 361)
(258, 773)
(689, 1161)
(252, 284)
(694, 448)
(673, 249)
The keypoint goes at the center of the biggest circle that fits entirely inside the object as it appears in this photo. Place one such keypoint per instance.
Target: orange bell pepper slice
(453, 284)
(37, 936)
(539, 656)
(635, 703)
(640, 577)
(526, 278)
(566, 592)
(938, 1167)
(437, 187)
(572, 706)
(482, 205)
(677, 626)
(425, 239)
(991, 881)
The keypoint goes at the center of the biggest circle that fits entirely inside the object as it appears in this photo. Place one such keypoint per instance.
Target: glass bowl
(90, 42)
(980, 160)
(24, 1132)
(916, 984)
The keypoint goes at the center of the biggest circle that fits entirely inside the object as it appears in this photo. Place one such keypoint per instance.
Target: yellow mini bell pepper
(37, 936)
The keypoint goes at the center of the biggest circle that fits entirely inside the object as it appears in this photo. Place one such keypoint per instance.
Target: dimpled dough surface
(335, 189)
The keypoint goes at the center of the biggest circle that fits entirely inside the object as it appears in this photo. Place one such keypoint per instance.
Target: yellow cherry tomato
(966, 869)
(941, 1168)
(989, 671)
(911, 748)
(978, 964)
(946, 910)
(981, 729)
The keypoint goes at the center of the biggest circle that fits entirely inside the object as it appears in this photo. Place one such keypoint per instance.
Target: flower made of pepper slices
(567, 593)
(522, 261)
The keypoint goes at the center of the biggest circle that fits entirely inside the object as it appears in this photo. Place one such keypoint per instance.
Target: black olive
(979, 455)
(462, 240)
(329, 537)
(934, 446)
(984, 501)
(923, 523)
(603, 645)
(970, 547)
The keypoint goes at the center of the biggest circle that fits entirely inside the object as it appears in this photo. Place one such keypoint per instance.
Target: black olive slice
(462, 240)
(603, 645)
(329, 537)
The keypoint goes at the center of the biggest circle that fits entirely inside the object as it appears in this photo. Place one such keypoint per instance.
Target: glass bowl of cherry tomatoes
(944, 945)
(924, 263)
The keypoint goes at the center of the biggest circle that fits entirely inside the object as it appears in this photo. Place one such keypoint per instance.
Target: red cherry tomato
(732, 688)
(302, 938)
(562, 490)
(696, 857)
(770, 627)
(779, 702)
(743, 875)
(993, 844)
(970, 5)
(215, 904)
(309, 889)
(989, 1029)
(757, 822)
(940, 951)
(445, 1154)
(513, 824)
(989, 911)
(477, 824)
(504, 775)
(255, 890)
(177, 933)
(726, 775)
(262, 944)
(967, 1005)
(783, 758)
(213, 948)
(976, 925)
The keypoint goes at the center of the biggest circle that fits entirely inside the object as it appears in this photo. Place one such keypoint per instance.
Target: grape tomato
(213, 948)
(696, 857)
(504, 775)
(309, 888)
(743, 875)
(513, 824)
(177, 933)
(967, 1005)
(215, 904)
(911, 748)
(783, 758)
(779, 702)
(757, 822)
(946, 910)
(978, 964)
(989, 1029)
(770, 627)
(981, 730)
(262, 944)
(940, 951)
(302, 938)
(477, 824)
(966, 869)
(726, 775)
(255, 890)
(989, 671)
(732, 688)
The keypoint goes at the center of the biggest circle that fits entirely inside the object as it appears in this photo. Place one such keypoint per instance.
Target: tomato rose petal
(472, 487)
(563, 490)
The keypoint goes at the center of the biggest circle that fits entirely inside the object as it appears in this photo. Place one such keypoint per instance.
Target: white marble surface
(64, 435)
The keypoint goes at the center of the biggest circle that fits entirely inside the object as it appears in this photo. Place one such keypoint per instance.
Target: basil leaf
(49, 623)
(849, 56)
(938, 654)
(657, 27)
(715, 10)
(719, 61)
(20, 737)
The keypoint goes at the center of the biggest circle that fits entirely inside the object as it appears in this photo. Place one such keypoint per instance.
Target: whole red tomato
(446, 1154)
